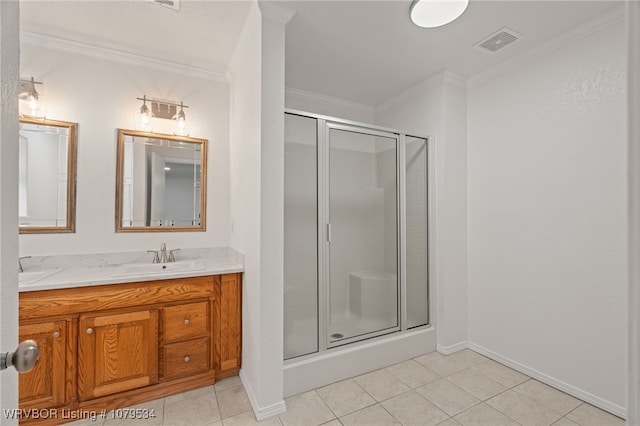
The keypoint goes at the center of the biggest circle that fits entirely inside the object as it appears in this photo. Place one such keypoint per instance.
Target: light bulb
(181, 125)
(30, 102)
(144, 117)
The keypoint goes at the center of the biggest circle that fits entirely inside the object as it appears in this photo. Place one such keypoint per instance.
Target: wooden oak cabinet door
(229, 319)
(44, 386)
(117, 352)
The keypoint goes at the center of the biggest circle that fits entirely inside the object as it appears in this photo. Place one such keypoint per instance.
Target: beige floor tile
(345, 397)
(476, 384)
(467, 356)
(334, 422)
(85, 421)
(381, 384)
(483, 415)
(148, 413)
(564, 422)
(449, 422)
(232, 401)
(447, 396)
(412, 373)
(374, 415)
(207, 390)
(549, 397)
(523, 410)
(227, 383)
(197, 411)
(249, 419)
(588, 415)
(500, 373)
(443, 365)
(410, 408)
(306, 409)
(218, 423)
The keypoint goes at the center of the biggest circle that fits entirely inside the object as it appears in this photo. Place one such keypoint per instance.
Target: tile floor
(464, 388)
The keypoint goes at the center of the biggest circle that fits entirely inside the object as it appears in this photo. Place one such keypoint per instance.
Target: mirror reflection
(160, 182)
(46, 176)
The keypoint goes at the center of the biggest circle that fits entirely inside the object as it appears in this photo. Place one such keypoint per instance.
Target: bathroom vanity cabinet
(112, 346)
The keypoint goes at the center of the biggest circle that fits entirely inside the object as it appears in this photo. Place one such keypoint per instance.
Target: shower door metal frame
(324, 230)
(323, 124)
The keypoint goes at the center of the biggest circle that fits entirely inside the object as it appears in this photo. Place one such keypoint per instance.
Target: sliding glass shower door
(362, 232)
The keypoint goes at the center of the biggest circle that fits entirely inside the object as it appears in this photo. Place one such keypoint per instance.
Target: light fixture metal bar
(163, 109)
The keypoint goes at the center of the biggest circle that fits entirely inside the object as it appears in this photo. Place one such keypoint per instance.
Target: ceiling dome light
(436, 13)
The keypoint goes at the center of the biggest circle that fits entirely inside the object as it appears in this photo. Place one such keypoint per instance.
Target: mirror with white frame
(46, 176)
(160, 182)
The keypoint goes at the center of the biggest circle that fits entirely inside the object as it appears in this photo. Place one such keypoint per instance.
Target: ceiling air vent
(171, 4)
(498, 40)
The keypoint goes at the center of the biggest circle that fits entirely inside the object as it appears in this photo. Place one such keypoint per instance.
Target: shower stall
(355, 234)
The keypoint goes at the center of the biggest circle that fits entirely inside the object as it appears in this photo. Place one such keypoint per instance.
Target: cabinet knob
(187, 322)
(56, 334)
(89, 330)
(187, 358)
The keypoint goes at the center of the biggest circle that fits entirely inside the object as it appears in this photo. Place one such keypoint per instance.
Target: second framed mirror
(47, 176)
(160, 182)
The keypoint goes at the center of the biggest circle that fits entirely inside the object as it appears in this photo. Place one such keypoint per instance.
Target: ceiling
(200, 34)
(364, 51)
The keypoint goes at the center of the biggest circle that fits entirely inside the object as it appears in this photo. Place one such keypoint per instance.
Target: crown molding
(328, 100)
(113, 55)
(592, 26)
(436, 79)
(276, 12)
(246, 35)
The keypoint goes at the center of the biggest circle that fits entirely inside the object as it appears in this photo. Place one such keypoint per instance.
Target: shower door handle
(329, 232)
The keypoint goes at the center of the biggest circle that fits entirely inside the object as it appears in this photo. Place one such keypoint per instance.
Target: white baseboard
(551, 381)
(448, 350)
(261, 412)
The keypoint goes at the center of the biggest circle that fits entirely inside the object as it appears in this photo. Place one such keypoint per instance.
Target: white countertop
(92, 276)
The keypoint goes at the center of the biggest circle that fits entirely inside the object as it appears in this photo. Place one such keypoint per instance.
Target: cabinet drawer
(186, 358)
(182, 322)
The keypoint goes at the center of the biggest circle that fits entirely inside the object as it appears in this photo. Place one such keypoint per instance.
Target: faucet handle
(20, 268)
(172, 257)
(156, 258)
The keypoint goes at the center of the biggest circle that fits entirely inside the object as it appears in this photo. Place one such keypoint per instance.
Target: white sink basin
(30, 277)
(143, 269)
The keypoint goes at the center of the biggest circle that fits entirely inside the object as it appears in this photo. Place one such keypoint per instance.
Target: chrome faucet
(161, 256)
(163, 253)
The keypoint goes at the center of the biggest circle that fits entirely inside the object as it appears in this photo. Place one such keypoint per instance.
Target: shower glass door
(300, 237)
(361, 233)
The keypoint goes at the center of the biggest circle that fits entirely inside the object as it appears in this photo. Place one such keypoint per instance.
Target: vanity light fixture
(436, 13)
(31, 102)
(144, 117)
(181, 125)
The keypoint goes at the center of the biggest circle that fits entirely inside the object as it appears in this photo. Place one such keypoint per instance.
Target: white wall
(100, 96)
(437, 109)
(9, 61)
(547, 218)
(245, 193)
(257, 188)
(633, 45)
(321, 104)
